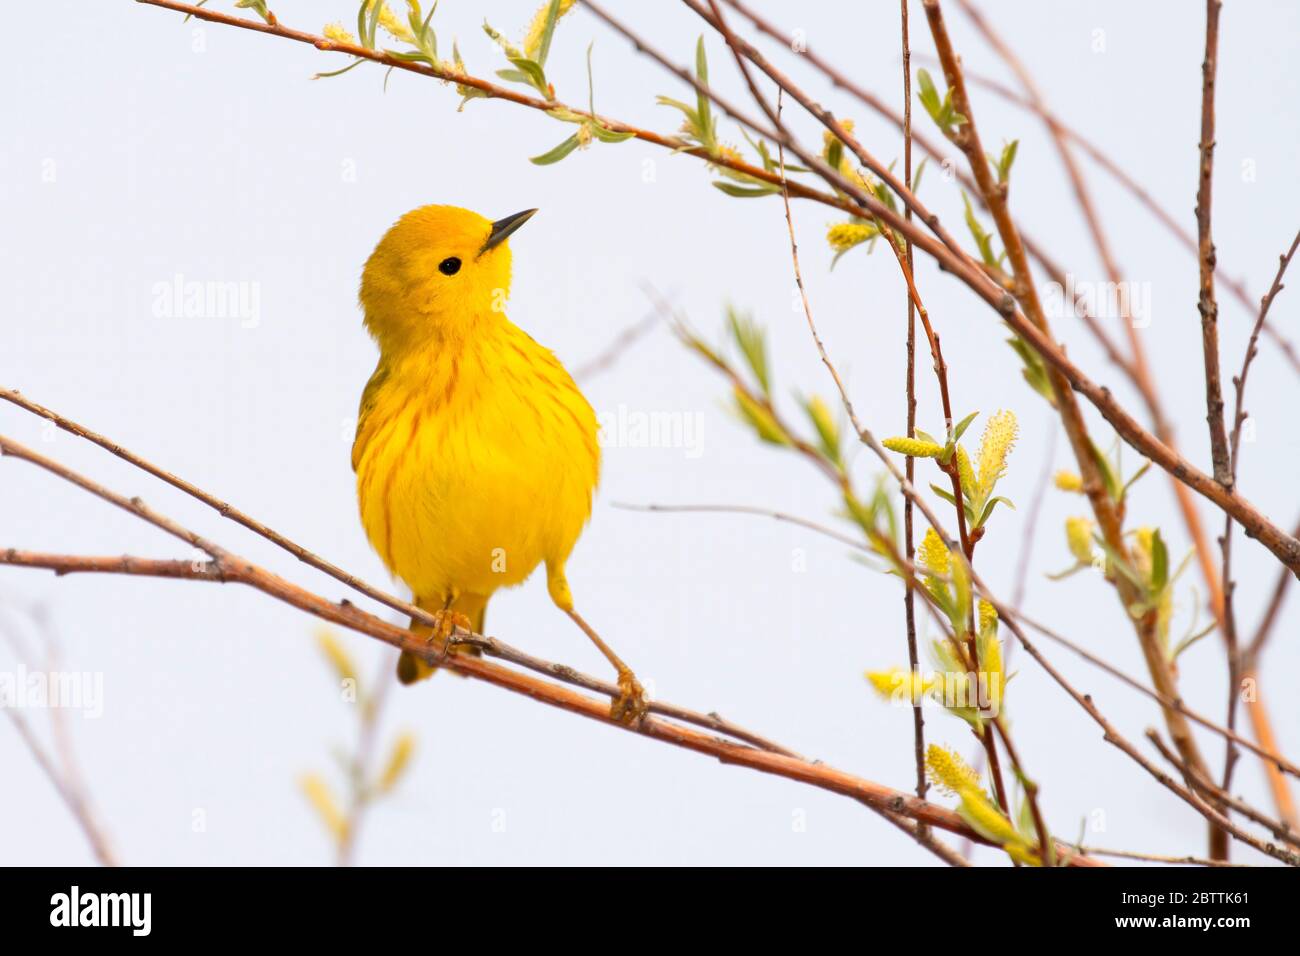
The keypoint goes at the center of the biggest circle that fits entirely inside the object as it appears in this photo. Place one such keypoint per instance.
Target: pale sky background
(138, 148)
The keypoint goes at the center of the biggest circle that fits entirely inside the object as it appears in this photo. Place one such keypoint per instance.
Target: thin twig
(909, 541)
(615, 350)
(63, 774)
(1207, 787)
(1206, 303)
(361, 762)
(1156, 858)
(1238, 663)
(1278, 595)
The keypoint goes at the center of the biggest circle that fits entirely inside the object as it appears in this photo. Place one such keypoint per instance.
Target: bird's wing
(365, 420)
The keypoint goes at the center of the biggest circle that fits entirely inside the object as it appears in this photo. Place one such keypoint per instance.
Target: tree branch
(858, 203)
(1206, 303)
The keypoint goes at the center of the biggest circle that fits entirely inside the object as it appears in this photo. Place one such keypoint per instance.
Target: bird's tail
(411, 668)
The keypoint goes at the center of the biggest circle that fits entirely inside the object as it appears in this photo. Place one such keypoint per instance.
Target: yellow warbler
(475, 454)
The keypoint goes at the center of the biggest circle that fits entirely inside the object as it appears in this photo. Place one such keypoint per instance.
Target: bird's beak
(502, 228)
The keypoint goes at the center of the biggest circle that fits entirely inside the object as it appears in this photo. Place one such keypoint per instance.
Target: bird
(476, 454)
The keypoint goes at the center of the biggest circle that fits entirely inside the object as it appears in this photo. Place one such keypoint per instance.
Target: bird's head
(437, 273)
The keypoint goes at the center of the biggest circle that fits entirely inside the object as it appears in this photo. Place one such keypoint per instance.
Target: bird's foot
(630, 705)
(444, 633)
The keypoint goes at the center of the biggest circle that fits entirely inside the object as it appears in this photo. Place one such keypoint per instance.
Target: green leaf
(1132, 481)
(929, 96)
(1025, 825)
(566, 115)
(748, 336)
(882, 503)
(1159, 562)
(962, 426)
(828, 432)
(760, 418)
(982, 239)
(745, 192)
(704, 109)
(514, 76)
(425, 38)
(988, 509)
(533, 71)
(945, 495)
(1108, 476)
(591, 82)
(408, 56)
(960, 575)
(834, 154)
(351, 66)
(608, 135)
(556, 154)
(1191, 639)
(1034, 370)
(1120, 564)
(376, 7)
(544, 47)
(693, 126)
(916, 173)
(1007, 159)
(1068, 572)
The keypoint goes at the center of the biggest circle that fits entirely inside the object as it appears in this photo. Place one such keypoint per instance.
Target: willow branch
(1207, 787)
(1206, 303)
(1239, 414)
(1139, 368)
(489, 645)
(909, 520)
(1111, 733)
(229, 568)
(1108, 514)
(1266, 624)
(1185, 237)
(1268, 755)
(1239, 663)
(1217, 584)
(1158, 858)
(616, 348)
(858, 203)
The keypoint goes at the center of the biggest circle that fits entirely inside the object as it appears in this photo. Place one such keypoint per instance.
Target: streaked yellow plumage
(476, 454)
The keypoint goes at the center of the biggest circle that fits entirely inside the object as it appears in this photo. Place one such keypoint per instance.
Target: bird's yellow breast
(475, 462)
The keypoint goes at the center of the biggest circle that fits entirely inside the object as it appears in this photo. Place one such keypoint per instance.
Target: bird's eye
(449, 266)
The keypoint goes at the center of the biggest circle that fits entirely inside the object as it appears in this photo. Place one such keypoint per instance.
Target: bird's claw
(630, 705)
(445, 631)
